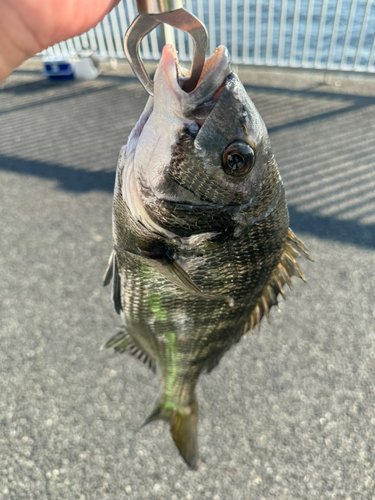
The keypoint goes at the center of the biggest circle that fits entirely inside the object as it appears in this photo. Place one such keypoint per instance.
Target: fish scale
(202, 245)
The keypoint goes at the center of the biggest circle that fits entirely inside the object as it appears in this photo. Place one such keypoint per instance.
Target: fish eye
(238, 159)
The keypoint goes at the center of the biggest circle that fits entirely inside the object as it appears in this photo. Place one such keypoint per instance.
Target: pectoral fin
(181, 279)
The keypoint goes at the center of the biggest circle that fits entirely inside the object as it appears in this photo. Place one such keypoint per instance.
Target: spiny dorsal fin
(286, 268)
(122, 342)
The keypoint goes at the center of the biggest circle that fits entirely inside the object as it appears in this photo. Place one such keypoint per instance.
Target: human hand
(30, 26)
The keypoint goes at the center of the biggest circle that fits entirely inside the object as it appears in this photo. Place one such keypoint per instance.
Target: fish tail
(183, 424)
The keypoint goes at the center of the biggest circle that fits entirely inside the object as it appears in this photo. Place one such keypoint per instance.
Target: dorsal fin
(122, 342)
(108, 275)
(112, 272)
(286, 268)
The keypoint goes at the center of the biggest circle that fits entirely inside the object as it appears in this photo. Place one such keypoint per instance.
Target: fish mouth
(170, 98)
(197, 104)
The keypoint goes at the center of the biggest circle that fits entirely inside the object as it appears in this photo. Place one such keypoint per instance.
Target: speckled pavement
(289, 412)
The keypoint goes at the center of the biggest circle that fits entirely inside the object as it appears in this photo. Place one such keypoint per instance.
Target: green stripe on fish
(172, 368)
(154, 303)
(183, 420)
(145, 272)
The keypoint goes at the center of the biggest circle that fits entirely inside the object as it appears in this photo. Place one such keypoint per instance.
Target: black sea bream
(202, 245)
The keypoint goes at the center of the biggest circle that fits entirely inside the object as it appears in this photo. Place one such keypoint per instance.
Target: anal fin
(123, 342)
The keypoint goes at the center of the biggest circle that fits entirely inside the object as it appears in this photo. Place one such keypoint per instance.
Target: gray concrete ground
(289, 412)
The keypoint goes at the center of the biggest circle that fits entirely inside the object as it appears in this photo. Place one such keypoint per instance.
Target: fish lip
(195, 104)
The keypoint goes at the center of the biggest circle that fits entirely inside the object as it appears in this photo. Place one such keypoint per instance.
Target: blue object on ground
(58, 69)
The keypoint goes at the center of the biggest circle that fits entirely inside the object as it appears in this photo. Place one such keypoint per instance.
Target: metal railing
(319, 34)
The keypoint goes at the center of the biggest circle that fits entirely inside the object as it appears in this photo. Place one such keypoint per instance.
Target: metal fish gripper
(171, 12)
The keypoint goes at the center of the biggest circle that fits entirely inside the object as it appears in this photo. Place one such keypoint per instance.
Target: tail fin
(184, 427)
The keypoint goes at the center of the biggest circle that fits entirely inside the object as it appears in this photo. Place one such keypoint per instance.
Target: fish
(202, 247)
